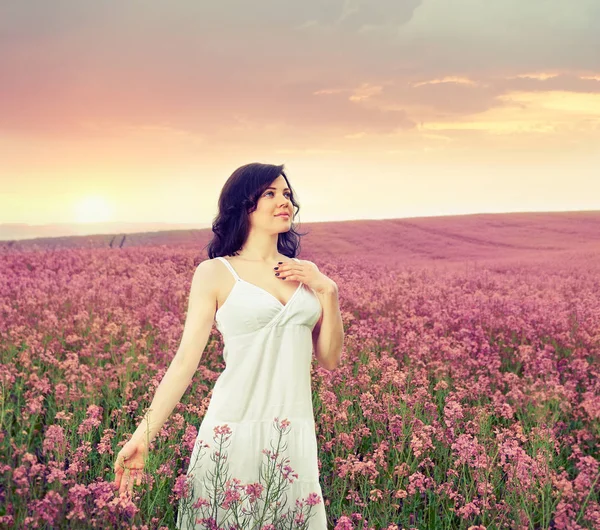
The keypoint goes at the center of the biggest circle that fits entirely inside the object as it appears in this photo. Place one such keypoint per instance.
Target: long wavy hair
(238, 199)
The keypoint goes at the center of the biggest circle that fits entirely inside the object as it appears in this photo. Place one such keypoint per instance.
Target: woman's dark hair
(238, 198)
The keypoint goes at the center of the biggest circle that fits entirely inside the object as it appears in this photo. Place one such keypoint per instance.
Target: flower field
(468, 395)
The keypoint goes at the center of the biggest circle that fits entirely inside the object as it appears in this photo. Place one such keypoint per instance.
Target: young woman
(272, 310)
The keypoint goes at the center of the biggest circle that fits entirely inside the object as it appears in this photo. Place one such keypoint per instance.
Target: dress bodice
(250, 308)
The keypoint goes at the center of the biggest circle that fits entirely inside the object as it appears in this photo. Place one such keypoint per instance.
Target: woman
(272, 310)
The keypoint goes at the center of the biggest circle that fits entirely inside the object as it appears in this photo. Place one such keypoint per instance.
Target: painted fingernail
(279, 262)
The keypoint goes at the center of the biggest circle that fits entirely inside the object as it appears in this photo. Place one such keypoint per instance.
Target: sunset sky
(140, 110)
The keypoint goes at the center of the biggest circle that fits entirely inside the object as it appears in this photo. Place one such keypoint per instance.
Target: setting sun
(93, 209)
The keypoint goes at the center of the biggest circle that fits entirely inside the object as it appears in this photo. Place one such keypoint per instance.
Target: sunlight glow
(93, 209)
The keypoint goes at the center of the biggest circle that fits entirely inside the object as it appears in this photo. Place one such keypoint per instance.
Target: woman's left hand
(306, 272)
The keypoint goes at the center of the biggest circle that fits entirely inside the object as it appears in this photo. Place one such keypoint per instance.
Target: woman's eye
(286, 193)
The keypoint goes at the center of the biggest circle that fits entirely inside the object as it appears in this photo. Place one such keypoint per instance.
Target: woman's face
(274, 200)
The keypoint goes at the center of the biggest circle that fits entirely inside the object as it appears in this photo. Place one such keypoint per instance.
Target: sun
(93, 209)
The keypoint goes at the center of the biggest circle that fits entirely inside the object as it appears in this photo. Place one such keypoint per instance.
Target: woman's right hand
(129, 465)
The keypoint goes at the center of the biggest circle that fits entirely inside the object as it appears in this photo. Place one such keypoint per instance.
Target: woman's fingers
(128, 478)
(119, 469)
(124, 481)
(118, 477)
(135, 478)
(128, 468)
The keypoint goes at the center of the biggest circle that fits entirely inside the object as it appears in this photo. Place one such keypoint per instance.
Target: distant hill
(21, 231)
(457, 238)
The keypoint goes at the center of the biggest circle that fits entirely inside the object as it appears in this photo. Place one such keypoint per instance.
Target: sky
(140, 110)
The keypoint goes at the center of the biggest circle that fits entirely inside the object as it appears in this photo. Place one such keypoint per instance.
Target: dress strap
(235, 275)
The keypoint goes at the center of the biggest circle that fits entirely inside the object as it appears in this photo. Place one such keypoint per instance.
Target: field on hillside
(468, 395)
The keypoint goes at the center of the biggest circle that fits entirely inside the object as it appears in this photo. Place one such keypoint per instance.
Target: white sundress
(267, 353)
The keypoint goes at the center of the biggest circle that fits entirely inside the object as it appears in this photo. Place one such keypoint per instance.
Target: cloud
(467, 36)
(335, 66)
(374, 13)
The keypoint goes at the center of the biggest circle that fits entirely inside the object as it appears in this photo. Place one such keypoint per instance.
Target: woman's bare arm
(198, 324)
